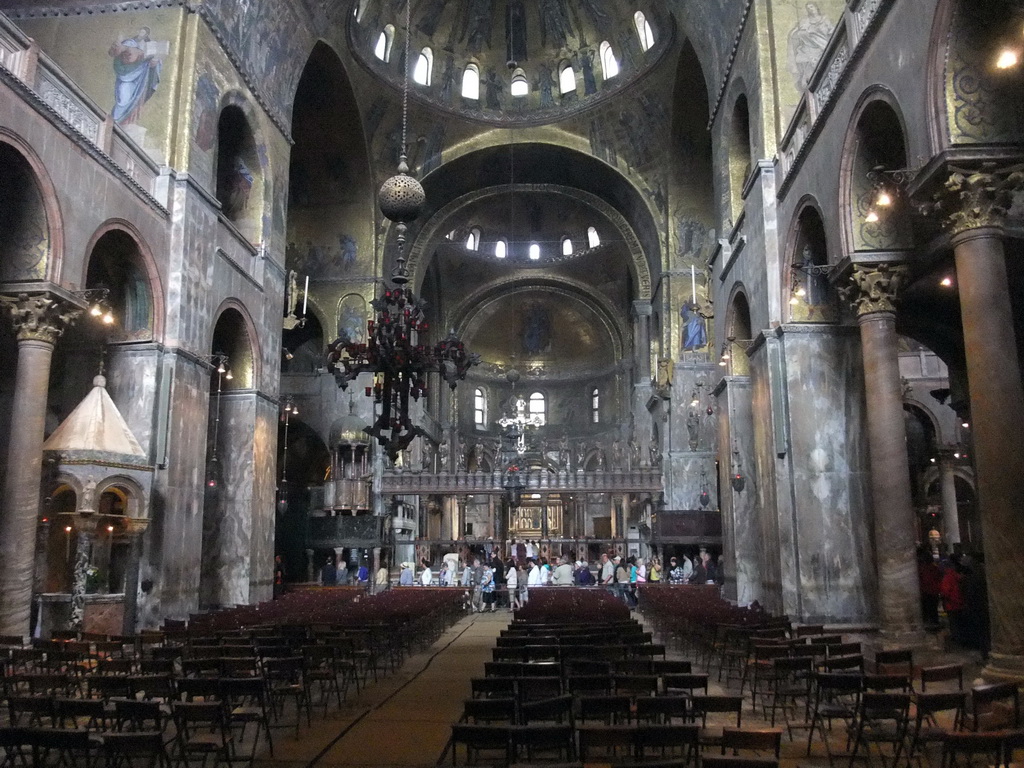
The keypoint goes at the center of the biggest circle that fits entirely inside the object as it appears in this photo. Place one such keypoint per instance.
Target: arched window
(534, 252)
(471, 82)
(566, 246)
(567, 79)
(593, 239)
(479, 408)
(520, 86)
(501, 249)
(609, 64)
(382, 50)
(643, 29)
(538, 407)
(473, 241)
(424, 67)
(595, 405)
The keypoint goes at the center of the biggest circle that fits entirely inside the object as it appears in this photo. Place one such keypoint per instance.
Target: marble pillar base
(1003, 668)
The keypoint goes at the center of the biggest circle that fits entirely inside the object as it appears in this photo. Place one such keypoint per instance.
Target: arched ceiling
(499, 37)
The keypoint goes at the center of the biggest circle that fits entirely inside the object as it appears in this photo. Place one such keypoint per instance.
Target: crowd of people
(957, 583)
(506, 583)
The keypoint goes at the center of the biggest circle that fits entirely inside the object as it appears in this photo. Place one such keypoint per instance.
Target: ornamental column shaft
(976, 204)
(873, 294)
(950, 511)
(39, 320)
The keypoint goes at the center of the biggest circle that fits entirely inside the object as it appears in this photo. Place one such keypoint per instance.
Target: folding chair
(546, 738)
(662, 710)
(201, 730)
(609, 709)
(669, 741)
(928, 728)
(836, 697)
(134, 750)
(882, 718)
(702, 706)
(490, 743)
(489, 711)
(245, 699)
(995, 706)
(946, 673)
(285, 678)
(554, 710)
(604, 743)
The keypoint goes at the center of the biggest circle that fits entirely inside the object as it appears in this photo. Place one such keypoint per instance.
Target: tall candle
(693, 284)
(305, 295)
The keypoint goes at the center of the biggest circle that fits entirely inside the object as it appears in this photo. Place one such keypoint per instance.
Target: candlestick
(693, 284)
(305, 296)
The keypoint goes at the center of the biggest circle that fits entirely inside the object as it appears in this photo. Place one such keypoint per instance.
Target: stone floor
(403, 720)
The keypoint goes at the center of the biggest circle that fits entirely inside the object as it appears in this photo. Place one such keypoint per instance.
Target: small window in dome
(471, 82)
(538, 407)
(383, 48)
(534, 251)
(609, 64)
(501, 249)
(566, 246)
(567, 79)
(520, 86)
(595, 405)
(593, 239)
(424, 64)
(473, 241)
(643, 29)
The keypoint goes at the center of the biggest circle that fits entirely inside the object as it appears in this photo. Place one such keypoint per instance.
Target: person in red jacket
(953, 600)
(931, 587)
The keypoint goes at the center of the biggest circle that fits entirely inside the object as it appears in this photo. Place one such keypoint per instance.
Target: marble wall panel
(829, 466)
(132, 379)
(741, 530)
(264, 497)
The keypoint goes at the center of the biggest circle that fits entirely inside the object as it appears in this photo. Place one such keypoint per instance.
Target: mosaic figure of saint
(807, 41)
(136, 75)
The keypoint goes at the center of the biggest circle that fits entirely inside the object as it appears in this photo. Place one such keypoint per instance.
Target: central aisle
(403, 721)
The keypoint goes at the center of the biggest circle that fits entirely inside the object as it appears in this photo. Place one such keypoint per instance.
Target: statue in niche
(581, 458)
(536, 331)
(693, 428)
(806, 42)
(634, 453)
(476, 459)
(563, 453)
(515, 32)
(655, 450)
(599, 456)
(817, 284)
(664, 373)
(460, 457)
(618, 457)
(428, 457)
(442, 453)
(695, 332)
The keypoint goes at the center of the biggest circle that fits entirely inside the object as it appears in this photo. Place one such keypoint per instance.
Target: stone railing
(412, 483)
(21, 57)
(850, 36)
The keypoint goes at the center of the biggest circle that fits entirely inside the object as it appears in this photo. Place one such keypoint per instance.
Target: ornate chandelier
(394, 353)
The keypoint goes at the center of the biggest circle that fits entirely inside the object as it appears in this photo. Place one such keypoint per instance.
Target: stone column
(39, 320)
(977, 203)
(873, 295)
(950, 511)
(134, 529)
(642, 312)
(83, 559)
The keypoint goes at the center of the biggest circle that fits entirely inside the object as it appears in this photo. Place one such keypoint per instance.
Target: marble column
(642, 389)
(873, 294)
(86, 529)
(135, 528)
(39, 320)
(977, 204)
(950, 511)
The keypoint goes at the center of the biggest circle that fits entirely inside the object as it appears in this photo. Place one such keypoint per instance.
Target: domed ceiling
(516, 51)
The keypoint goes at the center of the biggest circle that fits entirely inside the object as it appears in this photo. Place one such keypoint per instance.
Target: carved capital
(875, 287)
(977, 199)
(40, 316)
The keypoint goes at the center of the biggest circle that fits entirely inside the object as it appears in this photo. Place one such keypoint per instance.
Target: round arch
(420, 253)
(810, 296)
(876, 137)
(739, 148)
(242, 169)
(247, 358)
(48, 201)
(738, 331)
(147, 262)
(134, 494)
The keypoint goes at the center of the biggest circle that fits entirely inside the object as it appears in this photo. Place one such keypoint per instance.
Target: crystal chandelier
(395, 353)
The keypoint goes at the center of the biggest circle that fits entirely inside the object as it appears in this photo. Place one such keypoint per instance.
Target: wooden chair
(485, 711)
(609, 709)
(490, 743)
(553, 740)
(723, 706)
(131, 750)
(668, 740)
(753, 740)
(995, 706)
(603, 743)
(662, 710)
(936, 713)
(953, 673)
(882, 718)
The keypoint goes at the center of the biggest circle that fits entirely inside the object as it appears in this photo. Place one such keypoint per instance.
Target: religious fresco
(25, 245)
(124, 61)
(352, 317)
(803, 29)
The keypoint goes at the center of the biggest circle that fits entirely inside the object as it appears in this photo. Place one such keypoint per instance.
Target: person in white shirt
(534, 578)
(531, 551)
(427, 577)
(512, 583)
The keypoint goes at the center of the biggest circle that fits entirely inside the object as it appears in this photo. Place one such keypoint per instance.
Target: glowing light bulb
(872, 217)
(95, 310)
(966, 425)
(110, 529)
(884, 199)
(67, 529)
(793, 301)
(946, 282)
(722, 362)
(228, 376)
(108, 318)
(221, 368)
(801, 291)
(1008, 58)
